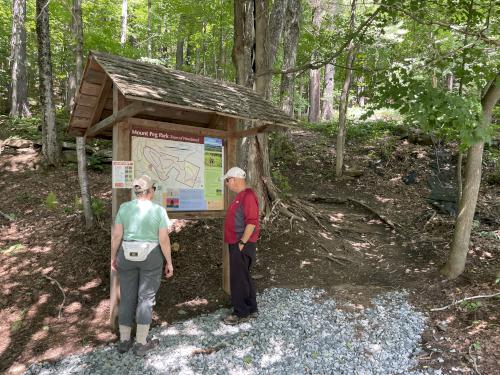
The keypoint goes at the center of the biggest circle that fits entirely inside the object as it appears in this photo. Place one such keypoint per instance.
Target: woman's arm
(116, 240)
(165, 248)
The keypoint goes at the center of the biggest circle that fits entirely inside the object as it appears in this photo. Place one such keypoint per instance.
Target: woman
(143, 227)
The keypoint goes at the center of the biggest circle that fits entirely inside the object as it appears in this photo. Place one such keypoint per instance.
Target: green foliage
(51, 201)
(476, 345)
(13, 249)
(281, 182)
(433, 109)
(96, 162)
(18, 322)
(98, 207)
(471, 305)
(21, 128)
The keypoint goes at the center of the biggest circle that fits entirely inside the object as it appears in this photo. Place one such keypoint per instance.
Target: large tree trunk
(123, 34)
(75, 74)
(290, 43)
(315, 74)
(77, 27)
(19, 81)
(327, 112)
(243, 56)
(268, 29)
(50, 146)
(179, 50)
(467, 207)
(344, 98)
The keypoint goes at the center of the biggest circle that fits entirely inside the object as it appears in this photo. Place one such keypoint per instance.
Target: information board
(188, 169)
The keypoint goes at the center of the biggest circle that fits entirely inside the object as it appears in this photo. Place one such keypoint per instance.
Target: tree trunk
(150, 48)
(315, 74)
(123, 35)
(77, 28)
(75, 74)
(327, 112)
(467, 207)
(243, 56)
(243, 47)
(290, 43)
(50, 146)
(19, 106)
(84, 184)
(459, 175)
(344, 98)
(267, 36)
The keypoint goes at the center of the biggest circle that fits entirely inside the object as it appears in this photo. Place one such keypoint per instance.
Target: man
(143, 226)
(241, 232)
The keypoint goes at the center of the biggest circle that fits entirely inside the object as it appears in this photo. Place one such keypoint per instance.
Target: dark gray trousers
(139, 282)
(243, 295)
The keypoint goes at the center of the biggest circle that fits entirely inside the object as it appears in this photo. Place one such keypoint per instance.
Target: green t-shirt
(141, 220)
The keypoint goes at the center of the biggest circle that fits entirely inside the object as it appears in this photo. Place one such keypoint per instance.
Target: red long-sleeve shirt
(243, 210)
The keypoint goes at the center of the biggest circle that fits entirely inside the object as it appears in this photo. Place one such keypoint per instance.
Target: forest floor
(54, 274)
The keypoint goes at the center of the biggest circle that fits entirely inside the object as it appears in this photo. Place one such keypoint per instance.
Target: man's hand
(114, 266)
(169, 270)
(241, 246)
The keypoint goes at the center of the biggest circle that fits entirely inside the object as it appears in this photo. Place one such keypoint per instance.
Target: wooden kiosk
(119, 97)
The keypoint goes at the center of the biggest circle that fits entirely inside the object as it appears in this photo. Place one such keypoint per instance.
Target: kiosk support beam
(121, 151)
(230, 161)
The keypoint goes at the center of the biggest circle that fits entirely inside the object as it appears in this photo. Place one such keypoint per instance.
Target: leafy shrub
(51, 201)
(98, 207)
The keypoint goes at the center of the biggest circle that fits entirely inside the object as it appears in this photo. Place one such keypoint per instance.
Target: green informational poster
(188, 169)
(214, 167)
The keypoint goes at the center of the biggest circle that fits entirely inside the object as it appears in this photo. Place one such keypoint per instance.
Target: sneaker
(233, 319)
(124, 346)
(143, 349)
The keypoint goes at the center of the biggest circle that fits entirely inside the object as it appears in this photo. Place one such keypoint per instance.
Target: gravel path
(297, 332)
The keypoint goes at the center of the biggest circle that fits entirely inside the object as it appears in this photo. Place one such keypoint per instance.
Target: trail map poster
(188, 169)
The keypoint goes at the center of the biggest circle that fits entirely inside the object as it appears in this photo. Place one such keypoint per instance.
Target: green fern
(51, 201)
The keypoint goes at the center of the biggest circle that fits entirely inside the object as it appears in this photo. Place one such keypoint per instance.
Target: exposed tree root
(335, 200)
(54, 281)
(466, 299)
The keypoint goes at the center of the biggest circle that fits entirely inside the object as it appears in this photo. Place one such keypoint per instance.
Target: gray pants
(139, 282)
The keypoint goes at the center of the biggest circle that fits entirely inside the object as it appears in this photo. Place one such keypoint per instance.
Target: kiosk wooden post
(230, 161)
(121, 151)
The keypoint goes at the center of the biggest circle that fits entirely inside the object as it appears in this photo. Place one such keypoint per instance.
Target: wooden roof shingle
(157, 84)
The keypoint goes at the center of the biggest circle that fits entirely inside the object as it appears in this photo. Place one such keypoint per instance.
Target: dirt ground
(54, 274)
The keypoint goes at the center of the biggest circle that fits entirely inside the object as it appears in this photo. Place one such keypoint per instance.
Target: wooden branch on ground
(466, 299)
(54, 281)
(330, 256)
(382, 217)
(335, 200)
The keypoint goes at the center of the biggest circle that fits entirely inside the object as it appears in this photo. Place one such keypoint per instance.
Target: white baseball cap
(235, 172)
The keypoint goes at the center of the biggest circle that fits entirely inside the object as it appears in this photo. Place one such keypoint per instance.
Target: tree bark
(18, 89)
(327, 112)
(123, 35)
(268, 29)
(344, 98)
(181, 39)
(315, 74)
(50, 146)
(455, 264)
(290, 43)
(77, 28)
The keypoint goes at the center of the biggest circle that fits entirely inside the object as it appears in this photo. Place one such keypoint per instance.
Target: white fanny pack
(137, 251)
